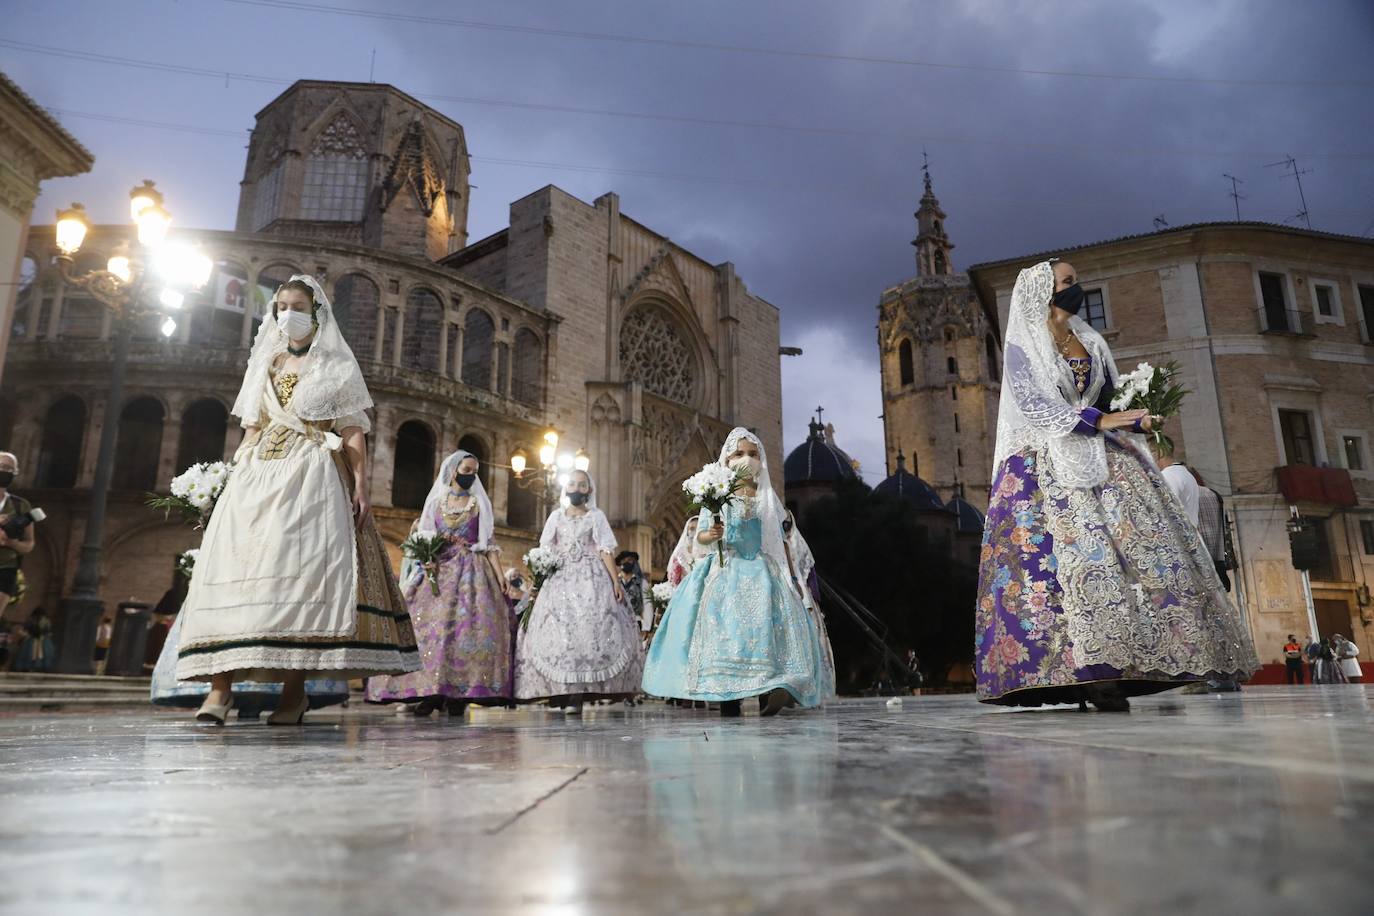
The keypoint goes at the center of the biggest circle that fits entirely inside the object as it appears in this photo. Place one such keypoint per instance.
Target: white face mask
(295, 325)
(748, 461)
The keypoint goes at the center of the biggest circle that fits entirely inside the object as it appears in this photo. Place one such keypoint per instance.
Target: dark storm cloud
(818, 223)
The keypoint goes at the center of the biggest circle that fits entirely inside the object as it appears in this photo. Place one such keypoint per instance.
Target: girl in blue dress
(739, 629)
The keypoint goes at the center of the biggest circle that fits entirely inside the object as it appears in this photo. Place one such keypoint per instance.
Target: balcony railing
(1286, 321)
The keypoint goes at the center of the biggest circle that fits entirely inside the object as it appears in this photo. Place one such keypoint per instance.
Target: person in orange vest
(1292, 657)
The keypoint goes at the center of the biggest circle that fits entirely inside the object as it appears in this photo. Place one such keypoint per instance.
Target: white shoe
(294, 716)
(212, 714)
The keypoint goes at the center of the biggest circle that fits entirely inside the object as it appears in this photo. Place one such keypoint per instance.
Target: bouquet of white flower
(542, 563)
(660, 595)
(713, 488)
(195, 491)
(425, 551)
(186, 561)
(1155, 389)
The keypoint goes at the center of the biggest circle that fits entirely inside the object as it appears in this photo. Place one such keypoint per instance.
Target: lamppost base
(77, 622)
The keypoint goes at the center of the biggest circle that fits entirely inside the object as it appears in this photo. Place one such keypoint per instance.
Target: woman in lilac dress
(465, 631)
(1093, 585)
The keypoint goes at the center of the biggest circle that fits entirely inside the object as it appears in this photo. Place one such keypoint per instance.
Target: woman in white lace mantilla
(741, 629)
(1093, 584)
(292, 578)
(582, 642)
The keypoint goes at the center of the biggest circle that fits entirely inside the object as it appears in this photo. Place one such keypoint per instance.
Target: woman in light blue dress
(739, 629)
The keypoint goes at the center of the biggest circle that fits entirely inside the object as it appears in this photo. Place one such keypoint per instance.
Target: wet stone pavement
(1255, 803)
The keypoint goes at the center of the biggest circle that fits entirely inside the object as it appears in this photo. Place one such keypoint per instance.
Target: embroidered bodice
(743, 528)
(461, 528)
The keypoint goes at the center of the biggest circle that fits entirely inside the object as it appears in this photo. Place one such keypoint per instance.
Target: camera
(14, 525)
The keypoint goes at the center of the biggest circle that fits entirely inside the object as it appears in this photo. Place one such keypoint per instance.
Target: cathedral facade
(575, 318)
(940, 368)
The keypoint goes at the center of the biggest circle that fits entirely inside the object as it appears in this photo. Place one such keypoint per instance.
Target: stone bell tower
(357, 162)
(941, 364)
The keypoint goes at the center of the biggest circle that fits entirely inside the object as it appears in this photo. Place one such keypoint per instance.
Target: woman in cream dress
(293, 579)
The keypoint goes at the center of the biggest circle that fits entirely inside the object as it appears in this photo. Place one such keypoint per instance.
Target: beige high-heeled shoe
(295, 716)
(213, 714)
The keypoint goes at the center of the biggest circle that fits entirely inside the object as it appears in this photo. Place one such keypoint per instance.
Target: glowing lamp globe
(153, 222)
(143, 197)
(72, 227)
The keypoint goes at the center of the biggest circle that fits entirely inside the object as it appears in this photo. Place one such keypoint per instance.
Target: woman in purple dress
(465, 631)
(1094, 586)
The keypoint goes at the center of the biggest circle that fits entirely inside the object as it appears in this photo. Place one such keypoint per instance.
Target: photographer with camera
(16, 529)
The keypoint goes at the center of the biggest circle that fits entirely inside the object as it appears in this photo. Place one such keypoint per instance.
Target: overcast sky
(801, 167)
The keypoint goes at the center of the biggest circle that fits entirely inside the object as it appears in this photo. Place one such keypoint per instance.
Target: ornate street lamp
(123, 288)
(554, 469)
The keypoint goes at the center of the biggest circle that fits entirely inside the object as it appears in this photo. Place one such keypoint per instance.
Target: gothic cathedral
(941, 364)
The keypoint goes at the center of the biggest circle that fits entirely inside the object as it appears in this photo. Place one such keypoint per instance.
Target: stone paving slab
(1255, 803)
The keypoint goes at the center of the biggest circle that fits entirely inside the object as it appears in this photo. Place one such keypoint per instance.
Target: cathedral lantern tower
(362, 163)
(933, 246)
(941, 361)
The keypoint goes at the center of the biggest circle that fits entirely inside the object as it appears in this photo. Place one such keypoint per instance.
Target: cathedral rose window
(653, 353)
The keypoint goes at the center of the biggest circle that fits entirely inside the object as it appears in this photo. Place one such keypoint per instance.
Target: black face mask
(578, 499)
(6, 478)
(1070, 300)
(464, 480)
(627, 567)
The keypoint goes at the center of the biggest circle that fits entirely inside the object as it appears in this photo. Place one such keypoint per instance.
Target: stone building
(1271, 327)
(940, 362)
(575, 317)
(33, 147)
(814, 469)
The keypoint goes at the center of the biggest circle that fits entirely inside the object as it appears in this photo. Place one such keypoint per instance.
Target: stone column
(55, 313)
(377, 346)
(495, 365)
(400, 337)
(250, 297)
(171, 444)
(443, 347)
(90, 445)
(456, 370)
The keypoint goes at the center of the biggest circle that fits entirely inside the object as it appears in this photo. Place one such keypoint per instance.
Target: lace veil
(331, 385)
(485, 519)
(769, 507)
(1040, 403)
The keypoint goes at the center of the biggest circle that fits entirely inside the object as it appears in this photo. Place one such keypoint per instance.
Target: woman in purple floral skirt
(1094, 586)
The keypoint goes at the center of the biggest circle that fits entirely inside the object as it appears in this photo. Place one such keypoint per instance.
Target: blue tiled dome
(817, 461)
(970, 519)
(908, 487)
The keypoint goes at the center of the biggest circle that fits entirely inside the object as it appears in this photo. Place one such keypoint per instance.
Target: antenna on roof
(1161, 222)
(372, 70)
(1235, 194)
(1296, 174)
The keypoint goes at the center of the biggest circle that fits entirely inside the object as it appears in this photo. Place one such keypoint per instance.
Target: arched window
(527, 376)
(138, 445)
(949, 335)
(202, 434)
(906, 364)
(59, 455)
(521, 505)
(654, 353)
(479, 451)
(335, 178)
(479, 332)
(413, 471)
(994, 365)
(424, 317)
(952, 365)
(355, 307)
(939, 261)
